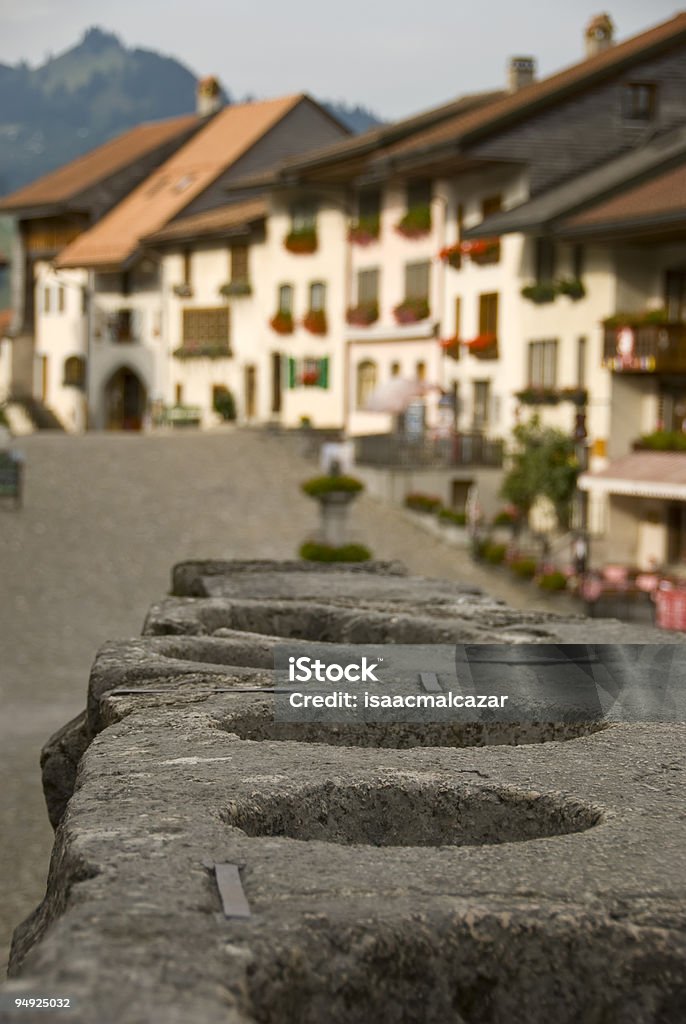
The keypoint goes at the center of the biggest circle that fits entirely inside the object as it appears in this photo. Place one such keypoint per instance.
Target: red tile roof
(67, 182)
(171, 188)
(663, 194)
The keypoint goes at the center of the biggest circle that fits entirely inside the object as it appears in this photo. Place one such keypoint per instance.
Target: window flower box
(416, 223)
(484, 346)
(452, 255)
(451, 347)
(282, 322)
(572, 287)
(365, 230)
(482, 250)
(301, 241)
(363, 315)
(235, 288)
(411, 311)
(315, 322)
(202, 350)
(309, 378)
(540, 293)
(552, 396)
(183, 291)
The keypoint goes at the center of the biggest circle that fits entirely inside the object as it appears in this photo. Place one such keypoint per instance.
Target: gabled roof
(641, 474)
(659, 202)
(171, 188)
(443, 130)
(612, 178)
(468, 128)
(64, 185)
(375, 139)
(226, 220)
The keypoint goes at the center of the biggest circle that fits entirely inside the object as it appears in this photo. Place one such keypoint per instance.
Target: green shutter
(324, 372)
(291, 373)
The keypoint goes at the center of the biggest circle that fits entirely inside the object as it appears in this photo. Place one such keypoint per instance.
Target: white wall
(60, 334)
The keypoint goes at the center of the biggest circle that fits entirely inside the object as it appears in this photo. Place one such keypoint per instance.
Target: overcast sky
(394, 56)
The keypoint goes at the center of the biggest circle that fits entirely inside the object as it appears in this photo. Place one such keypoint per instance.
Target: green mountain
(85, 96)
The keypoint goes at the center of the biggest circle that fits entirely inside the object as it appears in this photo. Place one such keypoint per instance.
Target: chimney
(599, 34)
(521, 71)
(208, 96)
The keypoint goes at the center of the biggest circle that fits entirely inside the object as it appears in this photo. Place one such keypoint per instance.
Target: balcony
(121, 327)
(398, 451)
(645, 347)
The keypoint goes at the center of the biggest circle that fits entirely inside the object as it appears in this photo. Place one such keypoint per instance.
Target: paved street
(105, 518)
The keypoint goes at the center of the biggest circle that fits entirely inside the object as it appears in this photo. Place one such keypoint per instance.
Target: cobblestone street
(104, 519)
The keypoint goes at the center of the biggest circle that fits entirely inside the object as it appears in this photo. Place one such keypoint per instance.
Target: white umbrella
(395, 395)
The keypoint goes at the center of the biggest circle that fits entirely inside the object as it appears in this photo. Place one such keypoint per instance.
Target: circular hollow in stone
(258, 724)
(412, 813)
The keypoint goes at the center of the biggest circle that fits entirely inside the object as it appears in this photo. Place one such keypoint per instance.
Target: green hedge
(553, 581)
(312, 551)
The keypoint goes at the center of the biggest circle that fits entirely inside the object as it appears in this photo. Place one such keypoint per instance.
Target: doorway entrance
(250, 403)
(125, 400)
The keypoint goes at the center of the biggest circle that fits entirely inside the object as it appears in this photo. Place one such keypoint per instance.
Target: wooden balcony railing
(645, 348)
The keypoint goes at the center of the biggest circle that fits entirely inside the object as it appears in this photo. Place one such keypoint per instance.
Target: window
(367, 287)
(239, 263)
(395, 369)
(578, 262)
(60, 299)
(187, 266)
(206, 326)
(545, 257)
(420, 371)
(488, 313)
(542, 364)
(456, 259)
(458, 316)
(639, 101)
(303, 217)
(75, 372)
(123, 325)
(418, 193)
(317, 297)
(178, 394)
(491, 205)
(417, 280)
(286, 298)
(366, 382)
(46, 299)
(581, 362)
(369, 203)
(481, 403)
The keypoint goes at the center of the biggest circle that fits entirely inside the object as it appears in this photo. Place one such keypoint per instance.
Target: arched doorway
(125, 400)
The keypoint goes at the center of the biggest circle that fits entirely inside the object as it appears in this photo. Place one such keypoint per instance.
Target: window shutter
(291, 372)
(324, 372)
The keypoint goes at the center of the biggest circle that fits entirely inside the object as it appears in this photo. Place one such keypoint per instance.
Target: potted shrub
(427, 504)
(552, 582)
(452, 255)
(334, 493)
(411, 311)
(315, 551)
(224, 404)
(523, 567)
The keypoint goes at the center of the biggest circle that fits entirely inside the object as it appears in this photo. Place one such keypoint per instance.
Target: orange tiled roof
(212, 222)
(663, 194)
(75, 177)
(171, 188)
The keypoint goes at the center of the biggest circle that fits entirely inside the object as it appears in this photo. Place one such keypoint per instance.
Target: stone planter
(333, 513)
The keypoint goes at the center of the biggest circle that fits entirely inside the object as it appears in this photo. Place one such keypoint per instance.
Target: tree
(543, 465)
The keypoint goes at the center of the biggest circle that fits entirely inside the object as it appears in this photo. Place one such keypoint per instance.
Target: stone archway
(125, 400)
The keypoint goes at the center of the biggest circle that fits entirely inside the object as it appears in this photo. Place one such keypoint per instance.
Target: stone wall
(469, 873)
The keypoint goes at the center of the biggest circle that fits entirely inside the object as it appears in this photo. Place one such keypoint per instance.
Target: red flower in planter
(482, 343)
(481, 249)
(301, 242)
(365, 230)
(452, 254)
(315, 321)
(282, 323)
(309, 378)
(411, 311)
(363, 315)
(451, 346)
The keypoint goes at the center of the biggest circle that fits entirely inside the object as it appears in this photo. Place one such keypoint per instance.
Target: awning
(645, 474)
